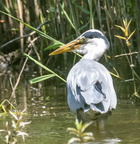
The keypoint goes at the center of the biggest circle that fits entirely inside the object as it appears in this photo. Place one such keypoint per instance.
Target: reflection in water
(50, 115)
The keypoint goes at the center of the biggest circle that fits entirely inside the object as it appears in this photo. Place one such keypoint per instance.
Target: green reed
(68, 19)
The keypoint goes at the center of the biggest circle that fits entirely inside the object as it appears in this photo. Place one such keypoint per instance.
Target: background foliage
(64, 20)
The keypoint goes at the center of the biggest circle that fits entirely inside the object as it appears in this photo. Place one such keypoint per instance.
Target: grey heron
(90, 91)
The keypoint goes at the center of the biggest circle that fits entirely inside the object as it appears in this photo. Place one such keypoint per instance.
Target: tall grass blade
(41, 78)
(131, 34)
(69, 20)
(44, 67)
(82, 8)
(54, 46)
(38, 31)
(120, 37)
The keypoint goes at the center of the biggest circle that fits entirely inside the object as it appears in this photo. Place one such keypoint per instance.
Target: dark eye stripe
(94, 34)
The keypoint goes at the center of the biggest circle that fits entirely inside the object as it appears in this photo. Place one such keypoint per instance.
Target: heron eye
(82, 40)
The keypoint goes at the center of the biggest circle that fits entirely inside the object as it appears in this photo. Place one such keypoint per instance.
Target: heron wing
(88, 86)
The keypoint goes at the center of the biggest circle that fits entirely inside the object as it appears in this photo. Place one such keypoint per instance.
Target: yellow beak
(69, 46)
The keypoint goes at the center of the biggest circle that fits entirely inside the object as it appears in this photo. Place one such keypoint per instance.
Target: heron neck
(92, 56)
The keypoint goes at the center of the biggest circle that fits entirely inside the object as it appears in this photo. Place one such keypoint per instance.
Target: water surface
(50, 116)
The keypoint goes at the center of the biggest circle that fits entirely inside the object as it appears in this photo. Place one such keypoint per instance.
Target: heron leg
(101, 121)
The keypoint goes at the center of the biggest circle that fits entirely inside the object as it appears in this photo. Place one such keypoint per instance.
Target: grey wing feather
(83, 90)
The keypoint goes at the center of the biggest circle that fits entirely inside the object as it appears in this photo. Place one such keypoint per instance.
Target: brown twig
(19, 76)
(126, 54)
(30, 44)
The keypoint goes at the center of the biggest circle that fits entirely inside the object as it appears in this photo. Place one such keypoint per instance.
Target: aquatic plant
(65, 20)
(13, 131)
(44, 77)
(125, 28)
(5, 106)
(79, 133)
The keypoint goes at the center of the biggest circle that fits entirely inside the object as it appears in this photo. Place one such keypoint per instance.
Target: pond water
(50, 116)
(122, 127)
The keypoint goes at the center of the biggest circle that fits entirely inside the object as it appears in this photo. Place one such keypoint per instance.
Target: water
(50, 116)
(122, 127)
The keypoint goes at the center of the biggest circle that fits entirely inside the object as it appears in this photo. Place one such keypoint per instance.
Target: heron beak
(69, 46)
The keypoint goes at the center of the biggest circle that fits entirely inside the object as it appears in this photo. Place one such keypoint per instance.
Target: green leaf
(87, 138)
(123, 29)
(117, 76)
(54, 46)
(81, 8)
(125, 23)
(67, 16)
(131, 34)
(120, 37)
(72, 140)
(78, 124)
(83, 26)
(53, 9)
(72, 129)
(41, 78)
(85, 125)
(44, 67)
(127, 26)
(90, 134)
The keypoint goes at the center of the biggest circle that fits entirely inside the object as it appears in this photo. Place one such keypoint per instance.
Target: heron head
(92, 42)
